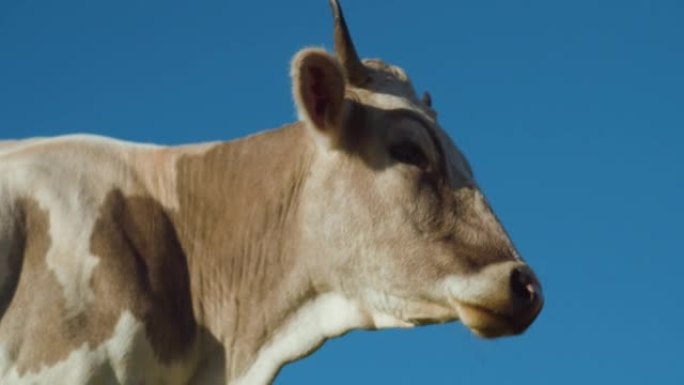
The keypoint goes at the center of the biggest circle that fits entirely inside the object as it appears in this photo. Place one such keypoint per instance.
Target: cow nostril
(523, 285)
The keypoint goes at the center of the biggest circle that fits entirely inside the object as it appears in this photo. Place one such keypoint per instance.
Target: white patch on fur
(386, 321)
(158, 170)
(393, 311)
(71, 195)
(33, 175)
(327, 316)
(126, 358)
(70, 178)
(69, 255)
(386, 101)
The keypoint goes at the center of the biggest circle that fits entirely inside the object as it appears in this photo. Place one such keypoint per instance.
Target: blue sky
(571, 113)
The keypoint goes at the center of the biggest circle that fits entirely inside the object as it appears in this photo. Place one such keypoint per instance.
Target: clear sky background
(571, 113)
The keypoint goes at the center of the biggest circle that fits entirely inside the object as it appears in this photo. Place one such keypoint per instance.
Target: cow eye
(409, 153)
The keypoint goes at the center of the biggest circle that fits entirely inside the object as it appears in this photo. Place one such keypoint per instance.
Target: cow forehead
(389, 79)
(390, 89)
(389, 92)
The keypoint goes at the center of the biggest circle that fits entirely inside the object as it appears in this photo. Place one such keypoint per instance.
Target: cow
(218, 263)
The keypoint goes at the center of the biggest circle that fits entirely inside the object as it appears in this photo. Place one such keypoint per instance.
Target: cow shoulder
(85, 252)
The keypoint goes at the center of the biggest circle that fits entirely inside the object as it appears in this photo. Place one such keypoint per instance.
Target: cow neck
(237, 221)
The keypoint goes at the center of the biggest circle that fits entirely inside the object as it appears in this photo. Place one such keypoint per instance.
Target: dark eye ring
(409, 153)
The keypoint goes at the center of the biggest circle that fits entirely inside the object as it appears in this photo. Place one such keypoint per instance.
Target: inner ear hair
(319, 86)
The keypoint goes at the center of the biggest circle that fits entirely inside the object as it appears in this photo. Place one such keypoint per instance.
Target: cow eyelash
(409, 153)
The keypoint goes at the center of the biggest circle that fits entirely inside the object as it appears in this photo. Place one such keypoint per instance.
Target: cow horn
(344, 48)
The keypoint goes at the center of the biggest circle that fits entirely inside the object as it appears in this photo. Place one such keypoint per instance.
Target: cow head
(401, 226)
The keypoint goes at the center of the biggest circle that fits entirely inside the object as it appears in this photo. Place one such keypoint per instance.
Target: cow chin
(487, 323)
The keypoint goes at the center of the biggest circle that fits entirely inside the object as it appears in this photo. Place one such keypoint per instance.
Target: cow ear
(318, 85)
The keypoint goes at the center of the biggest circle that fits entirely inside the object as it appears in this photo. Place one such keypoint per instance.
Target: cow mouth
(488, 323)
(482, 321)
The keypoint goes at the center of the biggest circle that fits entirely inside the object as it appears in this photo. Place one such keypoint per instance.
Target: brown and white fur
(219, 263)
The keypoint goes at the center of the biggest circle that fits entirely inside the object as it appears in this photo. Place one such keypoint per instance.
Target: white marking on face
(386, 101)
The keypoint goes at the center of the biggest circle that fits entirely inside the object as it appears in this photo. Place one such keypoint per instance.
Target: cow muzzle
(494, 318)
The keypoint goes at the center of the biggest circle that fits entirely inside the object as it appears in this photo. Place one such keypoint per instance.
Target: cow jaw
(393, 311)
(484, 322)
(479, 319)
